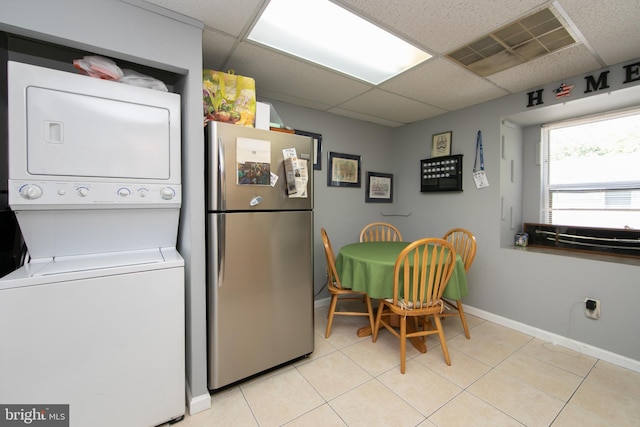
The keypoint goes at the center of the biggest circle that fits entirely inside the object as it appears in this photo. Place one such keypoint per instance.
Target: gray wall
(536, 292)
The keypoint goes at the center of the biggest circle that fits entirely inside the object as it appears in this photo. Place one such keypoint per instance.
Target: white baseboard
(319, 303)
(198, 403)
(556, 339)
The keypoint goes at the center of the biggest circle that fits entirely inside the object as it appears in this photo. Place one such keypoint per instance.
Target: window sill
(590, 256)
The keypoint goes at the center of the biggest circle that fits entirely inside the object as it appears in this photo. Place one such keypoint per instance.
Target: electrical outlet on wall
(592, 308)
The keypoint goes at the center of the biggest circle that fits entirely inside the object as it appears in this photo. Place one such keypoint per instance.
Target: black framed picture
(343, 170)
(379, 188)
(441, 144)
(317, 147)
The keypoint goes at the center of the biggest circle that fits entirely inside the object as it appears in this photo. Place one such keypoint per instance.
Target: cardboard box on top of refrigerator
(228, 98)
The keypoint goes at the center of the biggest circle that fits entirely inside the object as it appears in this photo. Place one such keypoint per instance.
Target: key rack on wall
(442, 173)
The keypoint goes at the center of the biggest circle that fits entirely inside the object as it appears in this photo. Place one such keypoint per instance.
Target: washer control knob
(124, 192)
(143, 192)
(82, 191)
(167, 193)
(31, 191)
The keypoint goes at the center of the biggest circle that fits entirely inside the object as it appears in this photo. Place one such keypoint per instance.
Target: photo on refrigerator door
(253, 159)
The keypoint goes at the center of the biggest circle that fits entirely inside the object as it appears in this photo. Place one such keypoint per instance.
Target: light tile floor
(499, 377)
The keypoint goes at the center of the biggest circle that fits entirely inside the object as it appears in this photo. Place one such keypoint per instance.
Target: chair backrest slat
(333, 278)
(464, 243)
(421, 273)
(380, 232)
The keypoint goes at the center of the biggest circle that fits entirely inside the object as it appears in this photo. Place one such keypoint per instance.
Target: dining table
(369, 267)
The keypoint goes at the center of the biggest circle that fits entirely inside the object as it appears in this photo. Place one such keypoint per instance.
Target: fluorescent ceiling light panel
(322, 32)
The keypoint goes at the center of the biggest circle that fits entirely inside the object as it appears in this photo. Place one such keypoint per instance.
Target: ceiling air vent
(531, 37)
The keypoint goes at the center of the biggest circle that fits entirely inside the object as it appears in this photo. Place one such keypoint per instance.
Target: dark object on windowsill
(608, 241)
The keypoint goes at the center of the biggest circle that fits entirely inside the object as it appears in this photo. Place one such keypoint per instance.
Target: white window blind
(591, 172)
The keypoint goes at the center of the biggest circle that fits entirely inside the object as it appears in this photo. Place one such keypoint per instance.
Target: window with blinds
(591, 171)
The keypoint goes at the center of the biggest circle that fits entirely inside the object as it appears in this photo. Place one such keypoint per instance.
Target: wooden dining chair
(380, 232)
(421, 273)
(464, 243)
(338, 293)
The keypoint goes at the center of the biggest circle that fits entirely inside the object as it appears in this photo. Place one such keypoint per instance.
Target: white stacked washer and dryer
(95, 317)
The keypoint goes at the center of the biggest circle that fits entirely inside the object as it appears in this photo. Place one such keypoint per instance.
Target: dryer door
(71, 134)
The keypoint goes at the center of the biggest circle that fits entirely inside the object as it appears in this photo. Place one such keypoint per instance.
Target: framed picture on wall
(379, 188)
(343, 170)
(441, 144)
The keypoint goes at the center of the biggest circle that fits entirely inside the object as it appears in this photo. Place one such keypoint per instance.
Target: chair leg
(376, 327)
(332, 310)
(443, 341)
(463, 319)
(416, 327)
(370, 311)
(403, 344)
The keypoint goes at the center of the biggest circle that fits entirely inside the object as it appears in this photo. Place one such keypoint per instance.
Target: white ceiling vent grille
(531, 37)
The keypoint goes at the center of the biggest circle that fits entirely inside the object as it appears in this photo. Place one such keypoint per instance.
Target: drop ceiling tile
(611, 28)
(389, 106)
(262, 92)
(365, 117)
(303, 80)
(443, 84)
(215, 48)
(553, 67)
(228, 17)
(609, 31)
(429, 23)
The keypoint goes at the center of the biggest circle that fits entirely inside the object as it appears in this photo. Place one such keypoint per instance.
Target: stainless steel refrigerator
(259, 251)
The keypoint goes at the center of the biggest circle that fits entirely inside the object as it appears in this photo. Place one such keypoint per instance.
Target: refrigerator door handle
(220, 249)
(222, 185)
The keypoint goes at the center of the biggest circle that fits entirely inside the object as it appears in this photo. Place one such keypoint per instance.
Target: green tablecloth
(368, 267)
